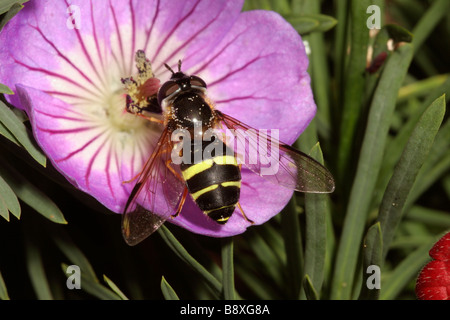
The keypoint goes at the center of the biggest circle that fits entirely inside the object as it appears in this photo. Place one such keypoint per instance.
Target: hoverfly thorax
(184, 99)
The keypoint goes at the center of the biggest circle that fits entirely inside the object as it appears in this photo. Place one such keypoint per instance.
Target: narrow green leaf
(429, 20)
(353, 87)
(182, 253)
(303, 25)
(115, 288)
(249, 276)
(404, 272)
(74, 254)
(310, 291)
(421, 88)
(429, 216)
(281, 6)
(307, 23)
(15, 8)
(31, 195)
(407, 169)
(9, 200)
(435, 166)
(268, 259)
(371, 155)
(372, 256)
(20, 132)
(316, 210)
(167, 290)
(228, 269)
(4, 89)
(320, 78)
(395, 147)
(3, 292)
(36, 270)
(398, 33)
(7, 134)
(293, 245)
(6, 5)
(93, 287)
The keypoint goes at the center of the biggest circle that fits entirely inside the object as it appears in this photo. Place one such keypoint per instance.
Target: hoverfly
(214, 181)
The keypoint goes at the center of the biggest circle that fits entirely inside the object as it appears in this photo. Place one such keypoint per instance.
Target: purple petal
(82, 150)
(258, 74)
(67, 78)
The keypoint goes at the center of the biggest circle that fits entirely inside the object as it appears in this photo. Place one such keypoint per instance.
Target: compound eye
(197, 81)
(166, 90)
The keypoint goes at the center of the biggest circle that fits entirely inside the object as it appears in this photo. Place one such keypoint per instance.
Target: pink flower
(65, 61)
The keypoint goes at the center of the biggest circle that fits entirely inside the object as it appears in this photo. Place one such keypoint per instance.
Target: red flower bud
(433, 282)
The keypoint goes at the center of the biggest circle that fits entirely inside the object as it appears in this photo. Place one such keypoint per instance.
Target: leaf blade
(407, 169)
(20, 132)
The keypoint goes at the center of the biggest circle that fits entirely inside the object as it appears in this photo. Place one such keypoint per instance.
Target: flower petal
(42, 49)
(258, 74)
(170, 30)
(83, 151)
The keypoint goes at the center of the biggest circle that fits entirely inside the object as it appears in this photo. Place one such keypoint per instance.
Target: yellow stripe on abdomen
(197, 168)
(206, 164)
(197, 194)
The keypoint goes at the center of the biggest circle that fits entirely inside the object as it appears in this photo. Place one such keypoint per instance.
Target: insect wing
(275, 161)
(157, 190)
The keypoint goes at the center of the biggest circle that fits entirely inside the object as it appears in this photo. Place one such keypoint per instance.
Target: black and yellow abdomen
(214, 183)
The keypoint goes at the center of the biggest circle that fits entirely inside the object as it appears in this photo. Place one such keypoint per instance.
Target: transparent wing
(275, 161)
(157, 190)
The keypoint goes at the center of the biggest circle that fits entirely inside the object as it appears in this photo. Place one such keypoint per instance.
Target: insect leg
(243, 214)
(180, 206)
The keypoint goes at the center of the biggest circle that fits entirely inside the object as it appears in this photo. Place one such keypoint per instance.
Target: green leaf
(228, 269)
(405, 173)
(3, 292)
(8, 201)
(316, 210)
(293, 246)
(167, 290)
(115, 288)
(353, 87)
(372, 256)
(5, 90)
(31, 195)
(421, 88)
(435, 166)
(429, 216)
(429, 20)
(93, 287)
(310, 291)
(404, 272)
(371, 155)
(74, 254)
(311, 23)
(269, 260)
(15, 8)
(20, 132)
(7, 134)
(398, 33)
(182, 253)
(6, 5)
(36, 270)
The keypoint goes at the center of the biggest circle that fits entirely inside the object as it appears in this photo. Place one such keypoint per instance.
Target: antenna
(170, 69)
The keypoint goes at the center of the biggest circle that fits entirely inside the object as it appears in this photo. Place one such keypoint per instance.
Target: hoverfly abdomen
(214, 182)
